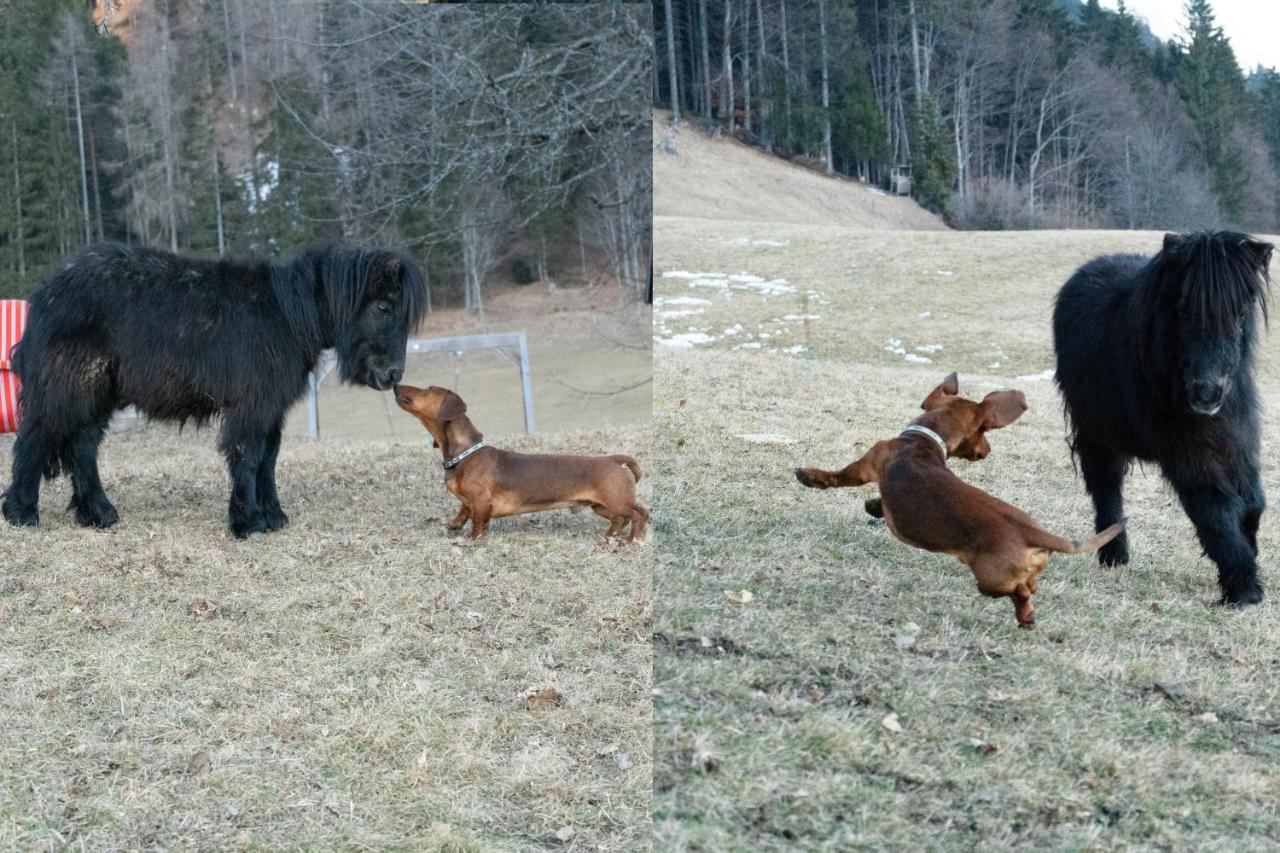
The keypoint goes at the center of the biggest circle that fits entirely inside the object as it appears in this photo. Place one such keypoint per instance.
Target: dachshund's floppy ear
(949, 388)
(451, 407)
(1001, 408)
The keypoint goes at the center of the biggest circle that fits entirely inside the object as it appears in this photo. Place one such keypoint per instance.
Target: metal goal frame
(512, 345)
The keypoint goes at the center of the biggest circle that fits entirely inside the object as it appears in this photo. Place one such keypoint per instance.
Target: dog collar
(453, 463)
(933, 436)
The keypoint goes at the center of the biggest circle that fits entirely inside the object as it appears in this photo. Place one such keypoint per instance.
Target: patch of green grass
(360, 683)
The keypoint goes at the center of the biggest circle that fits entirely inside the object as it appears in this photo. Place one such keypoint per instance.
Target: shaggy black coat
(184, 339)
(1155, 362)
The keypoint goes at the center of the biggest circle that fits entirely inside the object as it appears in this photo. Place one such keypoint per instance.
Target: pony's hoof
(20, 516)
(1242, 597)
(1114, 553)
(100, 516)
(243, 528)
(275, 517)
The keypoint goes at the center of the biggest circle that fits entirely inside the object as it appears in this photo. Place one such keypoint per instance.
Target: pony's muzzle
(1206, 397)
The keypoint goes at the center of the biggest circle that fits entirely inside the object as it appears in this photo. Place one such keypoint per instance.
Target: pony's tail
(630, 463)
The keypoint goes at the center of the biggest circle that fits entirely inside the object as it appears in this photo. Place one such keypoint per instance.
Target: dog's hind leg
(244, 446)
(464, 512)
(639, 521)
(33, 454)
(1104, 471)
(268, 499)
(89, 501)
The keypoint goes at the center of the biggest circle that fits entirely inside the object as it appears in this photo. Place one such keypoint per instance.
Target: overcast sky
(1253, 26)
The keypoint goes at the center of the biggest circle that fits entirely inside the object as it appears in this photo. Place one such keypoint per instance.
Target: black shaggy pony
(184, 339)
(1155, 362)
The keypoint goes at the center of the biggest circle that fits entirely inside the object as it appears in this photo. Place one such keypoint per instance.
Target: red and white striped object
(13, 319)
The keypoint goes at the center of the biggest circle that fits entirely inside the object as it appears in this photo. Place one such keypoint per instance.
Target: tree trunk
(746, 65)
(84, 165)
(97, 186)
(706, 59)
(760, 76)
(726, 86)
(826, 86)
(217, 202)
(226, 30)
(19, 237)
(786, 75)
(915, 49)
(671, 65)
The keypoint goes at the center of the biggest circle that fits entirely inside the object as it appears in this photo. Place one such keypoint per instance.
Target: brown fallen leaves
(204, 608)
(199, 764)
(539, 698)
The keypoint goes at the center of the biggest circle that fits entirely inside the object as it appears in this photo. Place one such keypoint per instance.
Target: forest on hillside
(1008, 113)
(490, 140)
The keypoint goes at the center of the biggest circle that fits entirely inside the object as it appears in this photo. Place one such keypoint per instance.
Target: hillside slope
(721, 178)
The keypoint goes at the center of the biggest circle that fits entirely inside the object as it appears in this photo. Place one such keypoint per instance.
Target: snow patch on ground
(681, 300)
(929, 348)
(916, 359)
(747, 241)
(686, 339)
(1046, 376)
(765, 438)
(729, 286)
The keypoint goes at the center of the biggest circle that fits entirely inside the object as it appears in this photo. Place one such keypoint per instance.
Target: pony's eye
(383, 306)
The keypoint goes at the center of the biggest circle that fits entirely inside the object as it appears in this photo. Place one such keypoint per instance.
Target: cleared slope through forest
(721, 178)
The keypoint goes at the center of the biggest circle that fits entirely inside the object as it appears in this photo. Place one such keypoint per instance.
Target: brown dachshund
(927, 506)
(493, 483)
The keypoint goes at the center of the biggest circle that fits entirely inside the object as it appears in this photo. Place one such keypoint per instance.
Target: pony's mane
(1220, 277)
(344, 272)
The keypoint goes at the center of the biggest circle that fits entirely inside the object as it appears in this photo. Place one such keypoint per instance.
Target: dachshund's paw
(813, 478)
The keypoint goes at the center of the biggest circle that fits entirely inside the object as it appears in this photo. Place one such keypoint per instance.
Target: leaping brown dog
(493, 483)
(924, 504)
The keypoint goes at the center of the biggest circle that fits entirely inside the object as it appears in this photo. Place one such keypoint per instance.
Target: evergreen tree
(931, 165)
(1211, 85)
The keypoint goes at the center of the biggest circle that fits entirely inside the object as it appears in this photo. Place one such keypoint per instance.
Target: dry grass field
(1137, 715)
(359, 680)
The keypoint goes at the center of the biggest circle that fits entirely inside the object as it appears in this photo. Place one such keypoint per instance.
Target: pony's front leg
(31, 455)
(268, 499)
(1104, 471)
(1219, 519)
(244, 446)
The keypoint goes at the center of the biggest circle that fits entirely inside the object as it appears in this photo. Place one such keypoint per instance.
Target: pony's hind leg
(89, 501)
(244, 446)
(268, 499)
(1104, 471)
(33, 454)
